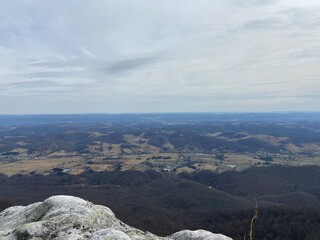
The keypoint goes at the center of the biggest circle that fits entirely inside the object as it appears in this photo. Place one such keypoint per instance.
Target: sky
(130, 56)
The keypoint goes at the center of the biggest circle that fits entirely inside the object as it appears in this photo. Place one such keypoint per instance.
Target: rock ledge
(70, 218)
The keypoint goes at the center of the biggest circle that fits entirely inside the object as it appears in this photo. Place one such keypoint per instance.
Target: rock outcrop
(72, 218)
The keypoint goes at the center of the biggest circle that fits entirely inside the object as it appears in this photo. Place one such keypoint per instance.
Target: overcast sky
(111, 56)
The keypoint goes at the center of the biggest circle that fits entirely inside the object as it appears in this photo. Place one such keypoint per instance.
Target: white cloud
(139, 55)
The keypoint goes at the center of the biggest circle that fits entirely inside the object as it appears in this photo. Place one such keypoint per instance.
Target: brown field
(193, 148)
(109, 160)
(41, 165)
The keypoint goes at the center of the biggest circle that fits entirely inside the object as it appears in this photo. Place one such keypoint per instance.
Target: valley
(167, 172)
(162, 145)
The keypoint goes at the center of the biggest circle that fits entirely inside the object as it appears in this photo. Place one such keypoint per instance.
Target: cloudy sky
(113, 56)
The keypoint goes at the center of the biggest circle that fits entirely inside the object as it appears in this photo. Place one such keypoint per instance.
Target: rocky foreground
(67, 217)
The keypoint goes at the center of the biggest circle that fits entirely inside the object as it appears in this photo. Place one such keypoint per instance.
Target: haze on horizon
(80, 56)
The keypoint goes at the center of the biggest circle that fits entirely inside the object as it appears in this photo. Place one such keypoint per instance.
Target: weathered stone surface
(69, 218)
(109, 233)
(198, 235)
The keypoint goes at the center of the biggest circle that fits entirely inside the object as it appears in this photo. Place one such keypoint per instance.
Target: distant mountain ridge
(18, 120)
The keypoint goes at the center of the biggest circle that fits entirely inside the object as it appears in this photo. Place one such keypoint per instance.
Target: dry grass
(184, 170)
(39, 165)
(105, 157)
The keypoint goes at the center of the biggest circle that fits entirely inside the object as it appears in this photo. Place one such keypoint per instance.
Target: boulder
(70, 218)
(198, 235)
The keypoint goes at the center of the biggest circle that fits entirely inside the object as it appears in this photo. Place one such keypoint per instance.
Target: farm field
(164, 145)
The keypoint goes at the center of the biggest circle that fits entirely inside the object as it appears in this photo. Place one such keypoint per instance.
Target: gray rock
(109, 233)
(70, 218)
(198, 235)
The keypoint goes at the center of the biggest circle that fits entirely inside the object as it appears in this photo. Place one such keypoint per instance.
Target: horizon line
(160, 113)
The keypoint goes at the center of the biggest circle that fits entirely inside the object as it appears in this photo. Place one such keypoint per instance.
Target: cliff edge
(72, 218)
